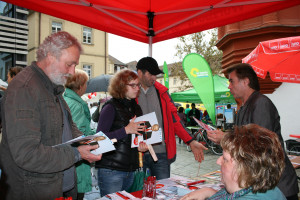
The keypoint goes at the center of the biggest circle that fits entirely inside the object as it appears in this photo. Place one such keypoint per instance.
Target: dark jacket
(32, 124)
(124, 158)
(260, 110)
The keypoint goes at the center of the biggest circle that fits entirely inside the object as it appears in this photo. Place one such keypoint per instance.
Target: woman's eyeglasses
(134, 85)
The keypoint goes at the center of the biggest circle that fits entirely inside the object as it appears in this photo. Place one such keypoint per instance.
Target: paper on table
(152, 133)
(105, 144)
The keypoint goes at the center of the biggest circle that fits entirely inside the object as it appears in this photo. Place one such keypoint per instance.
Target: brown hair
(79, 78)
(244, 70)
(117, 84)
(14, 71)
(258, 155)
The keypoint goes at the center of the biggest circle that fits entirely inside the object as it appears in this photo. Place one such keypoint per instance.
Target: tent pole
(150, 47)
(150, 34)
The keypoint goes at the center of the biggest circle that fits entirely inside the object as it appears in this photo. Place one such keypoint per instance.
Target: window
(87, 35)
(174, 81)
(6, 9)
(88, 69)
(56, 26)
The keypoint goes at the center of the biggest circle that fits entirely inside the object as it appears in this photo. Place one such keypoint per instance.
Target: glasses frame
(133, 86)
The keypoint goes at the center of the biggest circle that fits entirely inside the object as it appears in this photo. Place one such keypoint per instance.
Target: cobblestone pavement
(186, 165)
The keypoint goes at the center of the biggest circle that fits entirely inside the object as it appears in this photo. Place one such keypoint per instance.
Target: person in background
(182, 118)
(117, 121)
(154, 97)
(75, 88)
(258, 109)
(251, 166)
(201, 115)
(194, 112)
(93, 108)
(36, 118)
(186, 112)
(12, 72)
(206, 117)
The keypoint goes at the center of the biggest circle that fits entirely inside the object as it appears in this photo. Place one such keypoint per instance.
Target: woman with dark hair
(117, 120)
(12, 72)
(251, 166)
(75, 88)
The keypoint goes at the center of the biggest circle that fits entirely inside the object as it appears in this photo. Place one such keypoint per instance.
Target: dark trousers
(160, 168)
(71, 193)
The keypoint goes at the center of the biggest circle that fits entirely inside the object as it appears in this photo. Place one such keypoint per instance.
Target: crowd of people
(42, 107)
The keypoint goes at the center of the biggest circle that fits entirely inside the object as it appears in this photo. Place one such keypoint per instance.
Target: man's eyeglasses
(134, 85)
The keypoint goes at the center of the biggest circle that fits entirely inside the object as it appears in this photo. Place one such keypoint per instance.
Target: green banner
(166, 75)
(199, 73)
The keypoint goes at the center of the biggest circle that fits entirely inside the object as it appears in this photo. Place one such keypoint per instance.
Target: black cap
(149, 64)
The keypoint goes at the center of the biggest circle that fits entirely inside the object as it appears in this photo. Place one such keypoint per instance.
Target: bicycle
(201, 136)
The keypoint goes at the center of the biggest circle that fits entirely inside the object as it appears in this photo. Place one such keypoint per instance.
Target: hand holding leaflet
(105, 144)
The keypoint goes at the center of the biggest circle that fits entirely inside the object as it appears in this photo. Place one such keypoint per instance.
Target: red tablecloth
(137, 194)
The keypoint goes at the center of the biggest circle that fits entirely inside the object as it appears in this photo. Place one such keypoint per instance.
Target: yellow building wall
(94, 54)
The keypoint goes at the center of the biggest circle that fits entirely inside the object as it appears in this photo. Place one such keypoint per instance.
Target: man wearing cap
(154, 97)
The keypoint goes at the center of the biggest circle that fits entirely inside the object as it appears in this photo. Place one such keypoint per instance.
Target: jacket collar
(161, 88)
(55, 89)
(71, 94)
(251, 97)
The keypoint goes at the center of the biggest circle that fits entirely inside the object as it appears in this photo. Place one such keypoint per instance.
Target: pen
(195, 182)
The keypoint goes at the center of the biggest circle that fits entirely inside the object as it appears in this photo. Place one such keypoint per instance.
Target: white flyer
(105, 144)
(152, 133)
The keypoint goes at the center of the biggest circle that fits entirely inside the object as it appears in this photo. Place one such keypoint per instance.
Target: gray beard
(58, 79)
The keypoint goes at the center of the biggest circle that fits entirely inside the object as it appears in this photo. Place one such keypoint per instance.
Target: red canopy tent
(163, 19)
(279, 57)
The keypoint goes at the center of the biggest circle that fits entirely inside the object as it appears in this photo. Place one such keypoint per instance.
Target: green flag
(166, 75)
(199, 73)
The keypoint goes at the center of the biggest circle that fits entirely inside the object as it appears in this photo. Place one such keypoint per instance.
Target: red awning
(171, 18)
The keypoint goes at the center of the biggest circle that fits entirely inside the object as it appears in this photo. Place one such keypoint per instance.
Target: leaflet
(151, 134)
(105, 144)
(203, 125)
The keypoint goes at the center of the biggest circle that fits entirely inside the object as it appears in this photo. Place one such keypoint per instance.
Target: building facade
(13, 37)
(94, 59)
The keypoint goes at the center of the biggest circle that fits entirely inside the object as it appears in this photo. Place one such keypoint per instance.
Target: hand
(197, 149)
(200, 194)
(85, 153)
(215, 136)
(134, 127)
(2, 88)
(143, 147)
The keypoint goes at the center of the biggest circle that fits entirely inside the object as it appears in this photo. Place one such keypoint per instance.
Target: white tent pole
(150, 47)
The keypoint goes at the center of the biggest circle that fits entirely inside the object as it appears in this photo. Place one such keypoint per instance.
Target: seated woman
(117, 120)
(251, 166)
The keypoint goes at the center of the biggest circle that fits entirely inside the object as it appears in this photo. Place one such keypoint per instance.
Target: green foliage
(202, 43)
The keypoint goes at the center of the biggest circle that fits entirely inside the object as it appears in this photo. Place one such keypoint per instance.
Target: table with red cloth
(171, 188)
